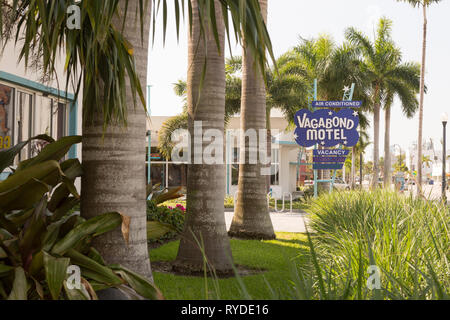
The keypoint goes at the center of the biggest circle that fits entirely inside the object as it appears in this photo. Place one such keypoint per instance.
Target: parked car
(341, 184)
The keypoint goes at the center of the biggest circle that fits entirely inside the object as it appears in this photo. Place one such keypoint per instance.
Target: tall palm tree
(113, 160)
(424, 4)
(404, 83)
(101, 58)
(205, 234)
(384, 74)
(251, 214)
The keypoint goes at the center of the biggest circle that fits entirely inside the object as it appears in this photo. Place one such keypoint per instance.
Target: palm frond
(166, 143)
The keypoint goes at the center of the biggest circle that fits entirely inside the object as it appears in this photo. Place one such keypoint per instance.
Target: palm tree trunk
(422, 92)
(376, 144)
(114, 166)
(387, 149)
(205, 232)
(251, 215)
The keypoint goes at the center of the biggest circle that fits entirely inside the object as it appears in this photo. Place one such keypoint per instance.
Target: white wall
(9, 63)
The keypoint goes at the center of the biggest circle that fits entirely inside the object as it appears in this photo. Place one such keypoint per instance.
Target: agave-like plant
(41, 235)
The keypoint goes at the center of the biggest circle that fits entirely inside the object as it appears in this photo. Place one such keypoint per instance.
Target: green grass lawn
(277, 257)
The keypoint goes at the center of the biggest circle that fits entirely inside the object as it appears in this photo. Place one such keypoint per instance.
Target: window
(235, 167)
(177, 175)
(59, 120)
(6, 116)
(157, 173)
(24, 114)
(43, 119)
(22, 122)
(275, 168)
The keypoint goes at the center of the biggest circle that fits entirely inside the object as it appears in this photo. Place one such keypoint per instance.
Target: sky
(290, 19)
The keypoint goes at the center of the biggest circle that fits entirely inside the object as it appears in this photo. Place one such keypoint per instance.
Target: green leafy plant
(159, 195)
(41, 236)
(229, 201)
(163, 222)
(405, 237)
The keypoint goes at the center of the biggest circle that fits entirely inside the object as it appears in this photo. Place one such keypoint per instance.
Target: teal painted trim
(292, 143)
(5, 76)
(73, 121)
(4, 175)
(36, 86)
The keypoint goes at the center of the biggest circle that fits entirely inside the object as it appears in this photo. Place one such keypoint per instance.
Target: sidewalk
(282, 222)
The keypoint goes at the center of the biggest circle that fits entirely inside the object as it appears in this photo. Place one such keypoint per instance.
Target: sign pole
(348, 96)
(315, 147)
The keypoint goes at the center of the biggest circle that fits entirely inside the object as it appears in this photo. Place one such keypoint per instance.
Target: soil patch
(155, 245)
(168, 267)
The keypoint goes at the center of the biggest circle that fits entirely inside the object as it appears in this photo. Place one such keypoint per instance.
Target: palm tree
(205, 234)
(404, 83)
(112, 161)
(425, 4)
(101, 58)
(384, 75)
(180, 121)
(427, 161)
(102, 61)
(251, 214)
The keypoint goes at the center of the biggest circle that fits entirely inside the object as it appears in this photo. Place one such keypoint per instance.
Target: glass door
(23, 121)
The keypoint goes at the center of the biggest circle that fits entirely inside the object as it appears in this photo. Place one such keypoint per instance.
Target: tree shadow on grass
(274, 261)
(251, 257)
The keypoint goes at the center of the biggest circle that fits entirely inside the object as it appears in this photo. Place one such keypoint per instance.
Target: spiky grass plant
(405, 237)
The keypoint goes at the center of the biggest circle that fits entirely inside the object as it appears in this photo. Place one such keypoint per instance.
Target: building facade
(285, 173)
(432, 164)
(30, 106)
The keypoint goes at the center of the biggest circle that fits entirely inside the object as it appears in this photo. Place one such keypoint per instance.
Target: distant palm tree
(334, 67)
(404, 82)
(385, 77)
(424, 4)
(426, 160)
(286, 91)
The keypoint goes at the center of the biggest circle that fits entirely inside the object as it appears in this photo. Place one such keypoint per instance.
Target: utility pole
(360, 170)
(444, 156)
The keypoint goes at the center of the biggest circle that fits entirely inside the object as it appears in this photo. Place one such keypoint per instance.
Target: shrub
(40, 236)
(229, 201)
(171, 217)
(406, 238)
